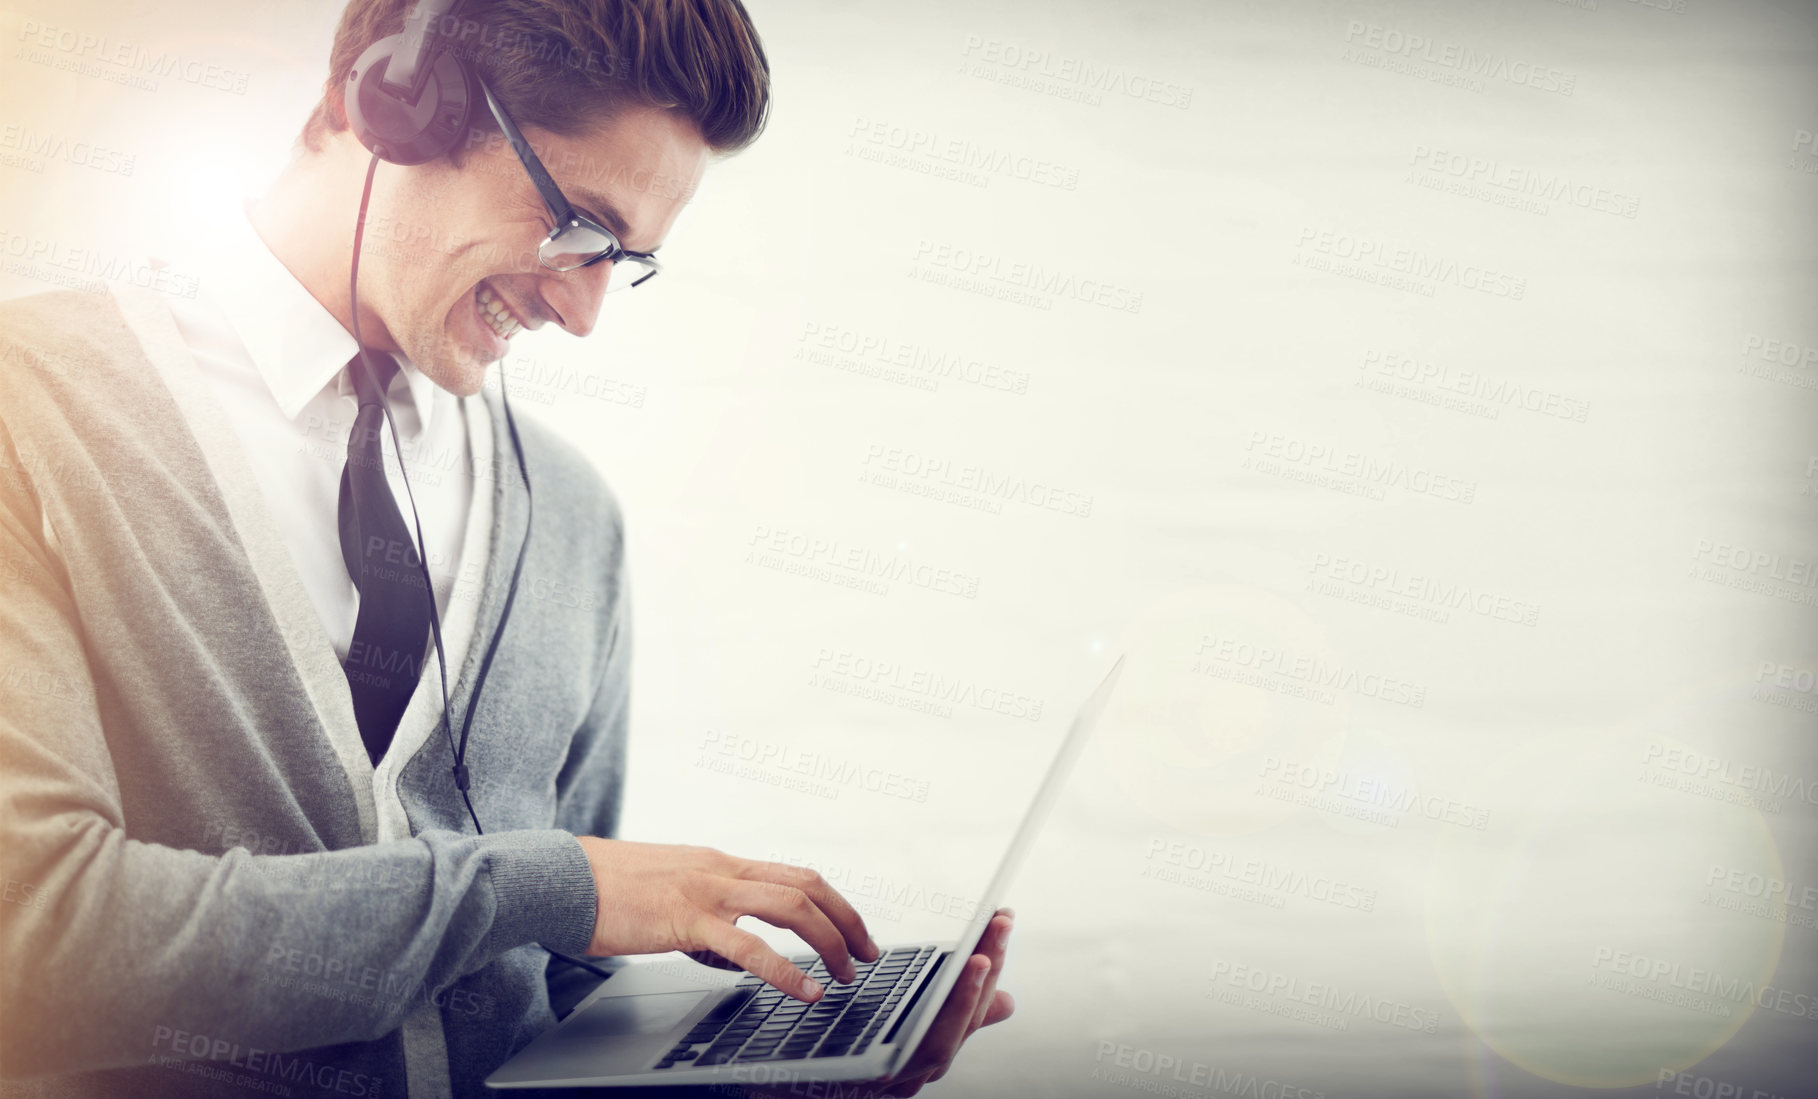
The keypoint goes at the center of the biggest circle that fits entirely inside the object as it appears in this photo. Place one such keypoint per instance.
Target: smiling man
(245, 839)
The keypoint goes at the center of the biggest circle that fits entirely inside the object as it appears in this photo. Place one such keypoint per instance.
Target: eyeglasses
(577, 240)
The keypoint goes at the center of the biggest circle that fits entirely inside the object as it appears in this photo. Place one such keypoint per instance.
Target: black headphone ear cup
(397, 130)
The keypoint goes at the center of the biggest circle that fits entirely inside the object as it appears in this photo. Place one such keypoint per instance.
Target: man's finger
(1003, 1005)
(1000, 1007)
(756, 957)
(785, 906)
(836, 907)
(949, 1028)
(995, 945)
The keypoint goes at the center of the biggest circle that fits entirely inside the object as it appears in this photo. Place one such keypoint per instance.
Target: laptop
(669, 1022)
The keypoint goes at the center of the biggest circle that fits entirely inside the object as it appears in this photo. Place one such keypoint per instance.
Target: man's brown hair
(566, 65)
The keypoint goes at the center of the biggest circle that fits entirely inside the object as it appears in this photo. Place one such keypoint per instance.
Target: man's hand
(655, 897)
(974, 1002)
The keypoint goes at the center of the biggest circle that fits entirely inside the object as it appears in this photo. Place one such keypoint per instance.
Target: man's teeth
(494, 313)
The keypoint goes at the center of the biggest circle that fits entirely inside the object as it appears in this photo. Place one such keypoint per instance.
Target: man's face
(441, 234)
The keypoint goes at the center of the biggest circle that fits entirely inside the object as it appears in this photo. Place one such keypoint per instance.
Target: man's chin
(462, 373)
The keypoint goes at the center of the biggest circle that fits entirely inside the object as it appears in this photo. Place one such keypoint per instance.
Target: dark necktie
(391, 631)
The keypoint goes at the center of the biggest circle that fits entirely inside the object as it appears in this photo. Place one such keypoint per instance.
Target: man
(237, 858)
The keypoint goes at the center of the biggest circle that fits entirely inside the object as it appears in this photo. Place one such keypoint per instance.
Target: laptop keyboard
(758, 1023)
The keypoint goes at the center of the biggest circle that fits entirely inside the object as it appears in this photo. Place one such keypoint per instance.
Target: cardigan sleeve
(592, 780)
(232, 949)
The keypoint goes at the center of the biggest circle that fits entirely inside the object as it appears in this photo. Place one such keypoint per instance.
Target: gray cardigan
(195, 901)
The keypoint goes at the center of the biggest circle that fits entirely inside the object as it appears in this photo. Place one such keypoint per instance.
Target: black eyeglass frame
(564, 214)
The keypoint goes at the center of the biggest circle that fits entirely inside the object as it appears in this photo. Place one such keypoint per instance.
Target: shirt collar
(296, 344)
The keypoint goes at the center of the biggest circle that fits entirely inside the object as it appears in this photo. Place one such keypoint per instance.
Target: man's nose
(575, 296)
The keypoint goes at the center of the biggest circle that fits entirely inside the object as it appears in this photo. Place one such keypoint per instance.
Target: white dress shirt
(275, 360)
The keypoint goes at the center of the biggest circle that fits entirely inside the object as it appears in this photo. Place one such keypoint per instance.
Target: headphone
(408, 100)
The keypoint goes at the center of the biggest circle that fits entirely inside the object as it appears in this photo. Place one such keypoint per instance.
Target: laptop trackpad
(614, 1036)
(627, 1015)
